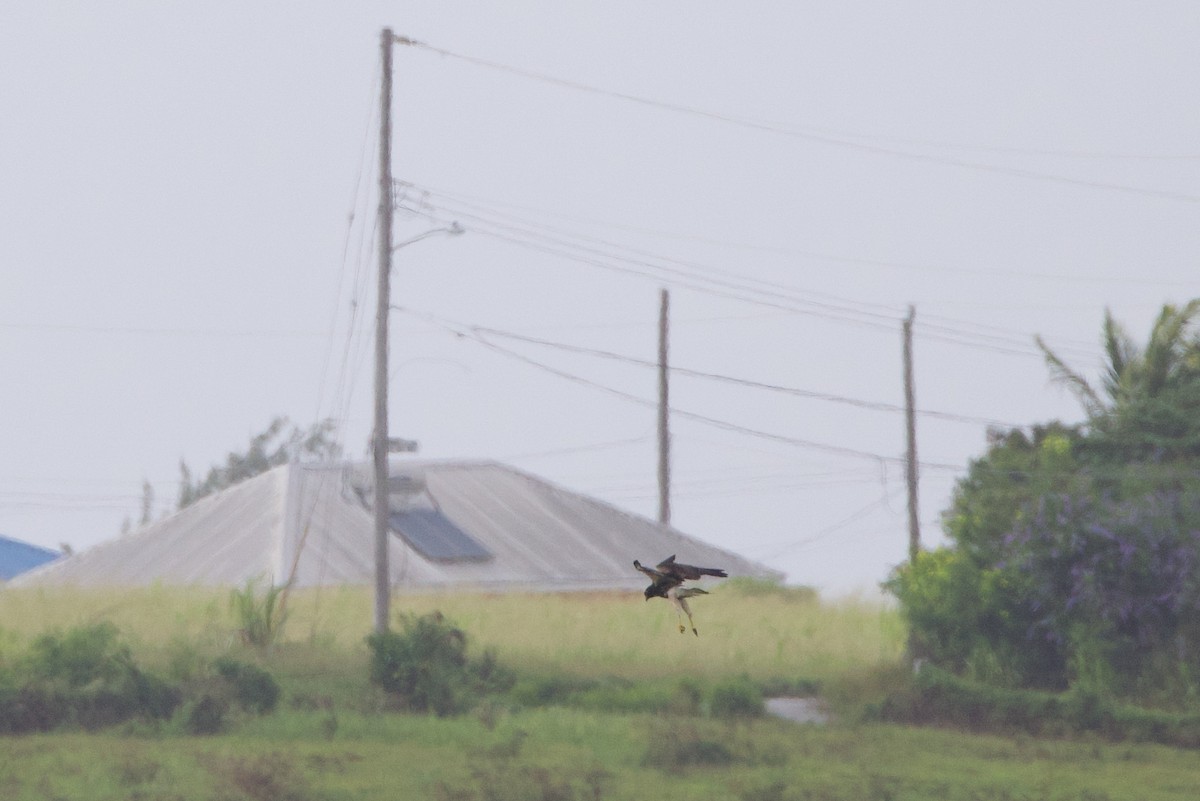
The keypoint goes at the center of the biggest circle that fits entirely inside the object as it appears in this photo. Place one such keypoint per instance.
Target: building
(480, 525)
(18, 557)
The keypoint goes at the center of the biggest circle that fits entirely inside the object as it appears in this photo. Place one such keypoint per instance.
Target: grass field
(330, 741)
(763, 634)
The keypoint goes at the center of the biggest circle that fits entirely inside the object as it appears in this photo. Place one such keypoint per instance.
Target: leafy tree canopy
(1076, 557)
(1148, 405)
(280, 443)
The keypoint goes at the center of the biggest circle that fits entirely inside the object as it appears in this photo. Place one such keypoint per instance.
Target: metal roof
(312, 524)
(17, 557)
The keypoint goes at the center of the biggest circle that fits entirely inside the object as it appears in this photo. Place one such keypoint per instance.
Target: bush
(676, 744)
(254, 689)
(205, 715)
(426, 669)
(83, 676)
(738, 698)
(973, 621)
(939, 697)
(1067, 571)
(78, 656)
(535, 691)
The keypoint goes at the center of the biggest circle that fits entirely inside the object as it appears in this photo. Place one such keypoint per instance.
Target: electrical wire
(675, 412)
(503, 208)
(345, 260)
(807, 135)
(824, 533)
(825, 396)
(722, 283)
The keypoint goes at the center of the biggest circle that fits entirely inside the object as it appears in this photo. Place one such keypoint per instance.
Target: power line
(600, 253)
(807, 135)
(252, 333)
(364, 150)
(575, 449)
(804, 393)
(684, 414)
(498, 207)
(859, 514)
(776, 299)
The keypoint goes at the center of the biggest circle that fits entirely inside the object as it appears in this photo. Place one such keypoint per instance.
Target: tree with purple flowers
(1076, 549)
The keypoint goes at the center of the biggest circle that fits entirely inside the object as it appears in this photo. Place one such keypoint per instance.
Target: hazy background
(187, 211)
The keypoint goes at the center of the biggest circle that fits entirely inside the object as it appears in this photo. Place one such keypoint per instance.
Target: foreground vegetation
(1075, 549)
(605, 701)
(760, 631)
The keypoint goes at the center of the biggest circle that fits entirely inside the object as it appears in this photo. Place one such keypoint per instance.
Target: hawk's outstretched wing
(684, 572)
(668, 574)
(667, 579)
(660, 582)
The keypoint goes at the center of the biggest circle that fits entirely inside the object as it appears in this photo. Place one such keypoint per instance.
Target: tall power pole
(383, 590)
(664, 423)
(910, 432)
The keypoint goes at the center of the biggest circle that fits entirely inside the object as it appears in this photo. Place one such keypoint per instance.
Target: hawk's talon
(682, 629)
(695, 632)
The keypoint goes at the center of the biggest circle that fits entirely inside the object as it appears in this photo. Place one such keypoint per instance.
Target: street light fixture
(453, 229)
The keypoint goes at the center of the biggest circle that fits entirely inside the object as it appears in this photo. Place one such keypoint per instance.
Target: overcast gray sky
(187, 201)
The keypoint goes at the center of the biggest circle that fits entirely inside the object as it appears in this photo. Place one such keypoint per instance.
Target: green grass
(765, 635)
(331, 740)
(386, 757)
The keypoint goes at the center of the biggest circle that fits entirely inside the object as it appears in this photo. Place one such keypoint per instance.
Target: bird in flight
(667, 579)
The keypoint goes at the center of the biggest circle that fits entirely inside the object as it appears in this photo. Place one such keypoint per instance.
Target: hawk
(667, 579)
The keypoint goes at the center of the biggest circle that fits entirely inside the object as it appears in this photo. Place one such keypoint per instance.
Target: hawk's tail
(689, 592)
(712, 571)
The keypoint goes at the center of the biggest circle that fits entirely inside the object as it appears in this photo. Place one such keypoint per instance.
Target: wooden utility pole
(910, 432)
(664, 427)
(383, 589)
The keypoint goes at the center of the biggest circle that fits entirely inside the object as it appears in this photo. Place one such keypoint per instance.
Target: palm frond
(1122, 358)
(1166, 352)
(1060, 373)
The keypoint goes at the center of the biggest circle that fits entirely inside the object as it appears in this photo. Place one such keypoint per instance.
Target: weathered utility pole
(664, 428)
(383, 589)
(910, 432)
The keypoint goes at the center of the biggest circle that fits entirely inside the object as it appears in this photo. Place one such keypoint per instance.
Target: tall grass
(392, 756)
(765, 635)
(315, 747)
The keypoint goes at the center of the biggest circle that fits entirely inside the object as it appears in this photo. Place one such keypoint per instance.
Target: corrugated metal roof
(312, 523)
(17, 557)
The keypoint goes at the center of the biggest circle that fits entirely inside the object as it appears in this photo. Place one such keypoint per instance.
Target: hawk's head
(655, 591)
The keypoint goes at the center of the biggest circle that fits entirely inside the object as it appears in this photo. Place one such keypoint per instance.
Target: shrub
(84, 676)
(426, 669)
(738, 698)
(1070, 568)
(939, 697)
(78, 656)
(254, 689)
(676, 744)
(611, 694)
(974, 621)
(205, 715)
(537, 691)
